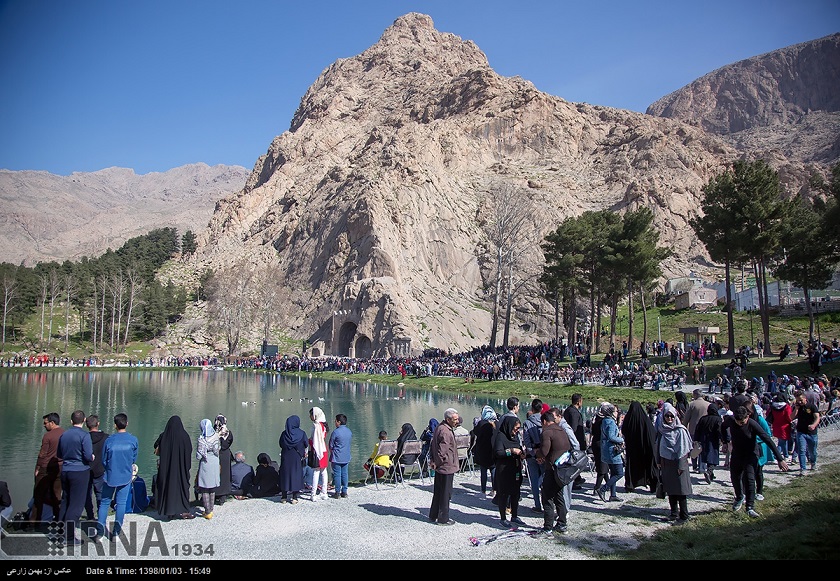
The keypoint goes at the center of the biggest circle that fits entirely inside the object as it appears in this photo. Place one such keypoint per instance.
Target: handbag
(311, 460)
(569, 465)
(695, 450)
(660, 489)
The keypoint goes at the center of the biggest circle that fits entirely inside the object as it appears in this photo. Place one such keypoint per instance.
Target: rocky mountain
(372, 204)
(48, 217)
(364, 227)
(783, 105)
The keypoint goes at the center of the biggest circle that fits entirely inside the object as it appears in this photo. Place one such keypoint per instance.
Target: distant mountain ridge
(782, 105)
(48, 217)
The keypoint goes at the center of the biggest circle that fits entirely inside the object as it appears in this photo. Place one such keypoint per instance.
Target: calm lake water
(255, 404)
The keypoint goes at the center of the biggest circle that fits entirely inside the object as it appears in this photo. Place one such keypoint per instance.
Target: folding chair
(465, 459)
(411, 448)
(386, 448)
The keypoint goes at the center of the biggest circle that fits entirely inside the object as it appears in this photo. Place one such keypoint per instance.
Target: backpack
(138, 498)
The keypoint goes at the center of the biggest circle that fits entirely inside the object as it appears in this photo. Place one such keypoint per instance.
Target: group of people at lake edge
(654, 449)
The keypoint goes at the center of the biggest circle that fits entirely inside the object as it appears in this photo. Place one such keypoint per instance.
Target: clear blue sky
(152, 85)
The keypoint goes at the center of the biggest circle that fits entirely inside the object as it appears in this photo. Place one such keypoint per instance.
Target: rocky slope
(51, 217)
(368, 216)
(372, 202)
(783, 105)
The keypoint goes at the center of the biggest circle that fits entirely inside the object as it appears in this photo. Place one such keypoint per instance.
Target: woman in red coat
(779, 417)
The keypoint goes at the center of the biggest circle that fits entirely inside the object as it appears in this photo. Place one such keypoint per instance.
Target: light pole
(659, 329)
(752, 337)
(817, 302)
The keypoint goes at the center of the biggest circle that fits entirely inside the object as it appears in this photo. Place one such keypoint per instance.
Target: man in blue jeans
(76, 451)
(340, 455)
(118, 457)
(807, 418)
(532, 429)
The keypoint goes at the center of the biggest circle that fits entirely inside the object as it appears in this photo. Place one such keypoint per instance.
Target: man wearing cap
(695, 410)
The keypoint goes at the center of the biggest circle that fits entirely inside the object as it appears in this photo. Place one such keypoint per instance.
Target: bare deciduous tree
(117, 288)
(10, 289)
(55, 293)
(103, 286)
(44, 279)
(70, 288)
(265, 294)
(133, 289)
(507, 229)
(229, 305)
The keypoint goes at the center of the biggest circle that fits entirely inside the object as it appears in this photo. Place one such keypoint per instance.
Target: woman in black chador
(640, 470)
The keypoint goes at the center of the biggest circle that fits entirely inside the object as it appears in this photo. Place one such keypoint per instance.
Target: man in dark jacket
(554, 443)
(241, 475)
(574, 418)
(742, 431)
(532, 429)
(444, 461)
(97, 471)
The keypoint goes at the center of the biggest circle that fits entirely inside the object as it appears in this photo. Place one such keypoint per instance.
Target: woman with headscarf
(172, 487)
(673, 445)
(601, 469)
(509, 456)
(639, 439)
(707, 432)
(426, 438)
(292, 458)
(681, 405)
(483, 447)
(225, 457)
(318, 442)
(207, 454)
(779, 417)
(406, 433)
(611, 451)
(266, 477)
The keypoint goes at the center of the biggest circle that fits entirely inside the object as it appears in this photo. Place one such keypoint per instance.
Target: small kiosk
(698, 335)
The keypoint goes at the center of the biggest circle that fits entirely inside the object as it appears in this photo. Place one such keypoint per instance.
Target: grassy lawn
(799, 522)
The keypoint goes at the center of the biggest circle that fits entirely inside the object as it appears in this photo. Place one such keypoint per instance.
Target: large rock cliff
(372, 203)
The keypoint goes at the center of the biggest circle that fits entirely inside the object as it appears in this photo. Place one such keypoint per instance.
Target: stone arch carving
(364, 348)
(345, 339)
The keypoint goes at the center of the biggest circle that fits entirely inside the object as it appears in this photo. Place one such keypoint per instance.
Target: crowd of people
(653, 450)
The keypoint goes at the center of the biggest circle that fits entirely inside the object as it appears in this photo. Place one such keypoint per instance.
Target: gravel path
(391, 524)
